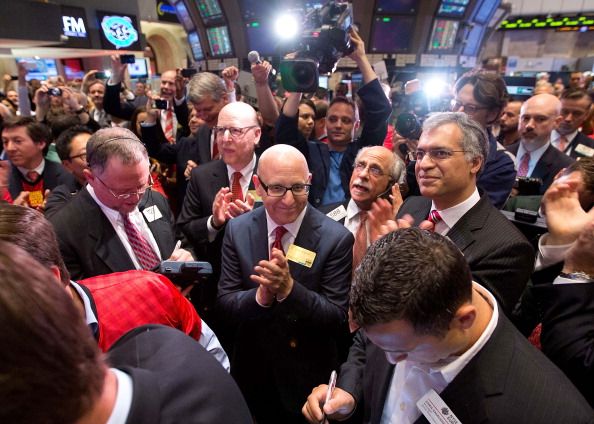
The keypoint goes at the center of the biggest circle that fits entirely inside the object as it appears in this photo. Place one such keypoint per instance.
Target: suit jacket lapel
(160, 228)
(258, 235)
(203, 141)
(462, 232)
(544, 164)
(146, 397)
(308, 238)
(384, 372)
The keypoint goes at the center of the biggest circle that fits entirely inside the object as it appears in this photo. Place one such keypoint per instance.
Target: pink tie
(32, 176)
(169, 126)
(145, 254)
(360, 246)
(523, 168)
(562, 143)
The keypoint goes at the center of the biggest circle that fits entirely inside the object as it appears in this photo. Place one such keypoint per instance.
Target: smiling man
(284, 289)
(436, 343)
(116, 223)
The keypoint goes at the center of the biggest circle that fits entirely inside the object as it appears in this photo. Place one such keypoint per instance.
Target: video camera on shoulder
(324, 40)
(183, 274)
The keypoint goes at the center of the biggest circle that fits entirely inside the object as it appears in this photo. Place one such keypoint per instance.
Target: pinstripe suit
(499, 256)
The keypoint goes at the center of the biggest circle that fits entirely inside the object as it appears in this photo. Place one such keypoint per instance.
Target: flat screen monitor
(323, 81)
(452, 8)
(73, 68)
(210, 11)
(138, 69)
(485, 11)
(392, 34)
(396, 6)
(443, 36)
(40, 69)
(473, 40)
(219, 41)
(195, 45)
(184, 16)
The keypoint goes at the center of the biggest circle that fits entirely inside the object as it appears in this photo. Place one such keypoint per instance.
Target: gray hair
(114, 142)
(206, 84)
(475, 141)
(397, 167)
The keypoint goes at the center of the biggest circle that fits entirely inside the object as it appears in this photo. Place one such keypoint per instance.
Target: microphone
(254, 59)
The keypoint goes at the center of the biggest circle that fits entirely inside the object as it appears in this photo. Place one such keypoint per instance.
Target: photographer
(331, 164)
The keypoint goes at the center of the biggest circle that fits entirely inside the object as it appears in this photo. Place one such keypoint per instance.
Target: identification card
(301, 256)
(255, 195)
(35, 198)
(338, 213)
(435, 409)
(584, 150)
(152, 213)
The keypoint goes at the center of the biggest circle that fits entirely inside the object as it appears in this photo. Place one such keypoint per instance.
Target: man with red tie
(26, 142)
(450, 155)
(116, 223)
(284, 287)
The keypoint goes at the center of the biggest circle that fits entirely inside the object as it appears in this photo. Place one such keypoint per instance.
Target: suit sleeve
(350, 377)
(113, 105)
(192, 220)
(498, 177)
(182, 113)
(56, 200)
(287, 132)
(156, 144)
(67, 249)
(377, 110)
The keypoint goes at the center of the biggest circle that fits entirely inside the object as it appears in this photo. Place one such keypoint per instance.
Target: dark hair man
(567, 137)
(53, 372)
(509, 122)
(433, 341)
(26, 143)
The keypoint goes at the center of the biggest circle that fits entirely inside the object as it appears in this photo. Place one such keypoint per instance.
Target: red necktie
(169, 126)
(279, 232)
(215, 150)
(562, 143)
(147, 258)
(32, 176)
(236, 191)
(434, 216)
(523, 168)
(360, 246)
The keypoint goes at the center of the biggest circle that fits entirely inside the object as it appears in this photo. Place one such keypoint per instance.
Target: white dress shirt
(352, 220)
(39, 169)
(450, 216)
(123, 400)
(534, 157)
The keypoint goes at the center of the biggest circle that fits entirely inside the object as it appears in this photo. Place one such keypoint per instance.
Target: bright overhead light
(435, 87)
(286, 26)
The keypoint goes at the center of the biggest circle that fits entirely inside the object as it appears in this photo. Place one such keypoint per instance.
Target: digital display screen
(74, 26)
(473, 40)
(138, 69)
(452, 8)
(560, 23)
(118, 31)
(73, 68)
(443, 36)
(210, 11)
(219, 41)
(392, 34)
(194, 42)
(261, 37)
(184, 16)
(485, 11)
(40, 69)
(323, 81)
(392, 6)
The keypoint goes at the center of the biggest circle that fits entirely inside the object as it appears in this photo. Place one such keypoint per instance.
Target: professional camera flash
(286, 26)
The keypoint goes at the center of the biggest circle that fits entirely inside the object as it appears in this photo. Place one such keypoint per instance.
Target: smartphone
(160, 104)
(14, 78)
(188, 72)
(101, 75)
(54, 91)
(127, 58)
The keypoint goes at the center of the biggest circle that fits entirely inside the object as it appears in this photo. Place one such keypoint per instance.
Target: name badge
(255, 195)
(435, 409)
(35, 198)
(338, 213)
(584, 150)
(301, 256)
(152, 213)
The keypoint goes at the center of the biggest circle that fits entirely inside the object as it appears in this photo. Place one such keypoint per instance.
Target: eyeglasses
(125, 196)
(83, 156)
(469, 109)
(234, 132)
(275, 190)
(436, 154)
(374, 170)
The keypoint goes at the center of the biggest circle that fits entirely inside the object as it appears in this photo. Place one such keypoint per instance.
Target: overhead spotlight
(434, 87)
(286, 26)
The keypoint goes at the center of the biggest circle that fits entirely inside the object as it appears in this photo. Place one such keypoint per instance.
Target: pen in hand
(331, 386)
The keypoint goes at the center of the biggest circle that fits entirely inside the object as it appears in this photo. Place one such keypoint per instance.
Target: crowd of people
(329, 251)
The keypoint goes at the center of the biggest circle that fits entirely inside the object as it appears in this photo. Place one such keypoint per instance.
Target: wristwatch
(577, 275)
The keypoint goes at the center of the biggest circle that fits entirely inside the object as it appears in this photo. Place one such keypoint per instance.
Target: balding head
(237, 134)
(240, 112)
(539, 116)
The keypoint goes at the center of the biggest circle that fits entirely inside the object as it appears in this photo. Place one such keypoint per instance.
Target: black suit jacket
(377, 110)
(507, 381)
(90, 245)
(499, 256)
(175, 380)
(53, 175)
(580, 138)
(291, 346)
(550, 163)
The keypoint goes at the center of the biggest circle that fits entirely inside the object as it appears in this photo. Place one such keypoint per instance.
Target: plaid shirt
(126, 300)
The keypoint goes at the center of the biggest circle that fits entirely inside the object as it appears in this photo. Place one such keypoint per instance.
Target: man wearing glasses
(450, 155)
(284, 287)
(116, 223)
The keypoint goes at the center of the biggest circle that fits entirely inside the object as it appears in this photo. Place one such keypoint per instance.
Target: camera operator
(331, 164)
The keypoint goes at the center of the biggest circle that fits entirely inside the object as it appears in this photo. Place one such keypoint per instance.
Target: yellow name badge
(301, 256)
(255, 195)
(35, 198)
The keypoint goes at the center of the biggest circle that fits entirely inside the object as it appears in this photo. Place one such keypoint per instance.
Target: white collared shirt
(90, 317)
(450, 216)
(39, 169)
(137, 220)
(123, 400)
(292, 230)
(555, 136)
(411, 380)
(534, 156)
(352, 220)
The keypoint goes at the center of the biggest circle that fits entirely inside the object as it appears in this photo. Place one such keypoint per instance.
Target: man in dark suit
(575, 108)
(284, 286)
(535, 155)
(26, 142)
(436, 343)
(116, 223)
(154, 374)
(450, 154)
(331, 163)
